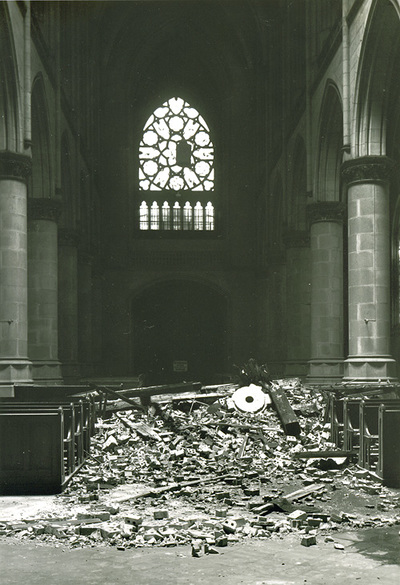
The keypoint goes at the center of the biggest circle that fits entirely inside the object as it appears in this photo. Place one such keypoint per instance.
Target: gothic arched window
(176, 170)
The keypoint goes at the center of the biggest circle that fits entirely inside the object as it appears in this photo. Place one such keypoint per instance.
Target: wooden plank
(323, 454)
(304, 492)
(172, 487)
(120, 396)
(285, 412)
(161, 389)
(144, 430)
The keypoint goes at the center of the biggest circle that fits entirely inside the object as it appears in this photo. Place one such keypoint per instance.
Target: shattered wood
(210, 475)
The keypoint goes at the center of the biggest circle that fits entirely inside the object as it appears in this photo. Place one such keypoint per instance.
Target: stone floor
(368, 557)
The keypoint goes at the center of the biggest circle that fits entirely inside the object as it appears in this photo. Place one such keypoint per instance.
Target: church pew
(388, 466)
(32, 453)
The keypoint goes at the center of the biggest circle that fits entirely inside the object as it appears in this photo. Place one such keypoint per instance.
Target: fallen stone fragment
(308, 540)
(229, 526)
(221, 512)
(86, 529)
(160, 514)
(197, 549)
(221, 541)
(110, 443)
(298, 515)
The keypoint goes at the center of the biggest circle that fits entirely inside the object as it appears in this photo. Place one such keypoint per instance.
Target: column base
(46, 372)
(15, 370)
(325, 371)
(369, 369)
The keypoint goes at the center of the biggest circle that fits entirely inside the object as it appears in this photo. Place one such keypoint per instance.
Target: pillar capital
(326, 211)
(40, 208)
(15, 166)
(368, 169)
(296, 239)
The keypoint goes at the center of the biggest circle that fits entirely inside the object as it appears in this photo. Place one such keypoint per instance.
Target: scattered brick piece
(160, 514)
(308, 540)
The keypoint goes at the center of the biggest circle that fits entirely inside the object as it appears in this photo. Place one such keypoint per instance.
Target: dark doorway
(179, 333)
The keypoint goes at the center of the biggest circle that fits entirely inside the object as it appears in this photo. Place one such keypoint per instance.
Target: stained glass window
(176, 157)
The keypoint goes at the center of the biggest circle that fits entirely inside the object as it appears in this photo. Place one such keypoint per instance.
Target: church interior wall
(273, 163)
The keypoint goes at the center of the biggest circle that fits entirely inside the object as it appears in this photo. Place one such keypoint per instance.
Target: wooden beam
(120, 396)
(323, 454)
(285, 412)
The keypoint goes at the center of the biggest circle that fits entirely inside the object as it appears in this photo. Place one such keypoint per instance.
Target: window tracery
(176, 158)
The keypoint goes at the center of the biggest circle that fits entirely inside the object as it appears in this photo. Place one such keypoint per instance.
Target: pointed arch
(164, 315)
(298, 191)
(330, 146)
(68, 216)
(377, 75)
(41, 185)
(10, 102)
(176, 157)
(176, 151)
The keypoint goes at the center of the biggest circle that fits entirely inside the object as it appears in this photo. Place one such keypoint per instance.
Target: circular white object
(249, 398)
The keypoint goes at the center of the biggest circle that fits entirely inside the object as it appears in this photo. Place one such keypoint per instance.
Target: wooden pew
(32, 456)
(334, 414)
(351, 423)
(388, 466)
(41, 435)
(369, 432)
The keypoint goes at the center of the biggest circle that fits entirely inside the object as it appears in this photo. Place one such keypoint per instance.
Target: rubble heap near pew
(187, 471)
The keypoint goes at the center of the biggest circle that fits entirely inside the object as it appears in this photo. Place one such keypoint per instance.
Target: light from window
(154, 216)
(198, 216)
(144, 216)
(176, 158)
(176, 216)
(209, 216)
(187, 216)
(176, 152)
(166, 216)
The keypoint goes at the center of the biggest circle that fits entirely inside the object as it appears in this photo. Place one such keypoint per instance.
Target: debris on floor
(209, 475)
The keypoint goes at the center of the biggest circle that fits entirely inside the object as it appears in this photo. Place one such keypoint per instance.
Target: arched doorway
(179, 333)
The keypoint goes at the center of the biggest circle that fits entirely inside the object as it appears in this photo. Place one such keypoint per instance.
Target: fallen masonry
(204, 473)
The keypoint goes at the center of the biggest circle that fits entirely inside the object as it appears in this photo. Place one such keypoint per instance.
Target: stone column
(298, 287)
(85, 291)
(14, 363)
(327, 334)
(43, 289)
(68, 303)
(369, 269)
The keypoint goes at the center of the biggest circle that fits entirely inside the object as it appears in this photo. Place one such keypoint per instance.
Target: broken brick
(309, 540)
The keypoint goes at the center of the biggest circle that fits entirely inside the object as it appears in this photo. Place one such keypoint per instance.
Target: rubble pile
(208, 475)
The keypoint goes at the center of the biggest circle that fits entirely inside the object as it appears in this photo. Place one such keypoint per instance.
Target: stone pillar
(298, 287)
(327, 334)
(369, 269)
(85, 292)
(43, 289)
(68, 304)
(14, 363)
